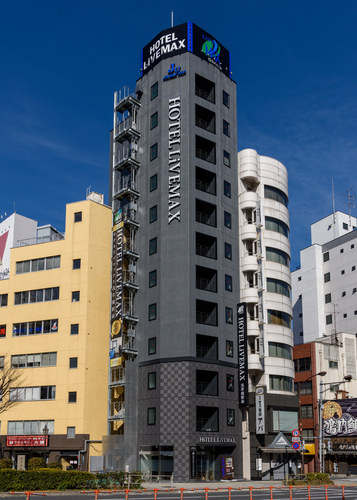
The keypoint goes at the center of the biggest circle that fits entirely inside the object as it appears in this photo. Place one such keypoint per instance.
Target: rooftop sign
(185, 37)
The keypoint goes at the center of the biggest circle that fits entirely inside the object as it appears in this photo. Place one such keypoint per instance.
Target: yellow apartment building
(54, 329)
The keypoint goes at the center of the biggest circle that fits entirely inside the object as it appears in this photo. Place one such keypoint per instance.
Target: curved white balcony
(248, 199)
(249, 295)
(252, 328)
(254, 364)
(249, 263)
(249, 165)
(248, 232)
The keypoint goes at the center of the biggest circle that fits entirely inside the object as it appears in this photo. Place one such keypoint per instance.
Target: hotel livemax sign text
(185, 37)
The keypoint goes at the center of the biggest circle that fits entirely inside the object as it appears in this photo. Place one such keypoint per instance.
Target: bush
(5, 463)
(312, 479)
(45, 479)
(55, 465)
(36, 463)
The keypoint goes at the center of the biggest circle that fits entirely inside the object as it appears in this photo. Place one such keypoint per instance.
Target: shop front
(212, 463)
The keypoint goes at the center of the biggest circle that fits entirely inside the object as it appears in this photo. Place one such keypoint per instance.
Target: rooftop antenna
(351, 203)
(172, 19)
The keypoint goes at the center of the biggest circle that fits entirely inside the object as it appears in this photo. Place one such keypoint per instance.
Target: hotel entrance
(205, 466)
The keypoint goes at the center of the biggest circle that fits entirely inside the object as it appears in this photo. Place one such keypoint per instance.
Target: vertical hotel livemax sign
(117, 276)
(242, 355)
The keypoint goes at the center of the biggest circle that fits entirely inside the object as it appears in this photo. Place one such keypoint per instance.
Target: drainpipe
(85, 449)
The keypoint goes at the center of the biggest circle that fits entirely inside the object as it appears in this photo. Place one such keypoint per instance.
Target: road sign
(296, 433)
(296, 446)
(295, 440)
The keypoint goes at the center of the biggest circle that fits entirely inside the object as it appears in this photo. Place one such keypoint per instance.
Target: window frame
(153, 214)
(152, 312)
(154, 151)
(226, 128)
(153, 246)
(153, 274)
(72, 397)
(153, 183)
(227, 220)
(227, 189)
(154, 120)
(76, 264)
(154, 91)
(225, 99)
(77, 216)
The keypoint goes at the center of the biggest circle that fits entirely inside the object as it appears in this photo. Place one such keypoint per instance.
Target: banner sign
(26, 441)
(259, 410)
(193, 462)
(117, 276)
(185, 37)
(340, 417)
(242, 354)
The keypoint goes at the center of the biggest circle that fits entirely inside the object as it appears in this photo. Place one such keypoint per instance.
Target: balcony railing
(124, 154)
(205, 155)
(205, 318)
(208, 96)
(40, 239)
(125, 184)
(206, 251)
(125, 125)
(206, 125)
(117, 410)
(204, 218)
(117, 376)
(206, 187)
(209, 285)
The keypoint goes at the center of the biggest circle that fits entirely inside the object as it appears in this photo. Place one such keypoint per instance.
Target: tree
(10, 387)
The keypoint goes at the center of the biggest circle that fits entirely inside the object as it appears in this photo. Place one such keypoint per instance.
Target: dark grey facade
(188, 418)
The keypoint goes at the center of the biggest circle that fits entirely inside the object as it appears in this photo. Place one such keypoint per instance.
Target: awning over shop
(267, 449)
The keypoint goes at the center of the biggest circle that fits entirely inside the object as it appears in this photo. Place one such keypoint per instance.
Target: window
(354, 291)
(206, 347)
(153, 120)
(341, 250)
(228, 283)
(333, 365)
(204, 88)
(277, 286)
(35, 327)
(34, 360)
(276, 194)
(228, 220)
(151, 416)
(153, 183)
(230, 383)
(153, 214)
(206, 383)
(226, 128)
(206, 246)
(225, 99)
(352, 246)
(76, 263)
(343, 294)
(329, 319)
(153, 152)
(75, 329)
(327, 298)
(327, 277)
(152, 278)
(78, 217)
(71, 432)
(334, 387)
(279, 350)
(228, 251)
(285, 420)
(227, 189)
(2, 331)
(229, 348)
(305, 388)
(229, 315)
(72, 397)
(343, 271)
(207, 419)
(299, 278)
(230, 417)
(152, 246)
(226, 159)
(205, 181)
(75, 296)
(42, 393)
(280, 383)
(152, 312)
(29, 427)
(302, 364)
(3, 300)
(206, 313)
(276, 225)
(326, 256)
(73, 362)
(152, 346)
(154, 90)
(275, 255)
(33, 296)
(34, 265)
(279, 318)
(206, 279)
(345, 315)
(353, 268)
(345, 226)
(152, 380)
(206, 213)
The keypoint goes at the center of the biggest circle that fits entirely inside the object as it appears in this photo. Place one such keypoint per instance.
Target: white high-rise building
(325, 286)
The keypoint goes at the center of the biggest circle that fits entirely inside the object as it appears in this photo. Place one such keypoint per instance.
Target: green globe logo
(212, 49)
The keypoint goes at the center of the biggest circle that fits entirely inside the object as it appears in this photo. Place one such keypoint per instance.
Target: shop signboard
(27, 441)
(340, 417)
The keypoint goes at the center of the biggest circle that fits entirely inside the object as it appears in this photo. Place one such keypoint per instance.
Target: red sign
(296, 433)
(296, 446)
(26, 440)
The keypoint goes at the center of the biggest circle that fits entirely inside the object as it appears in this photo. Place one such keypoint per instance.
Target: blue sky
(61, 61)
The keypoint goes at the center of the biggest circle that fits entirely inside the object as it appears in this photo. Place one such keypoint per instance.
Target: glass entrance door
(205, 466)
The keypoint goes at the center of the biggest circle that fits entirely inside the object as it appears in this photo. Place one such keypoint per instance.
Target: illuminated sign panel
(27, 441)
(183, 38)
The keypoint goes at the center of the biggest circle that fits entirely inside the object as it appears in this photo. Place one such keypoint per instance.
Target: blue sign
(173, 72)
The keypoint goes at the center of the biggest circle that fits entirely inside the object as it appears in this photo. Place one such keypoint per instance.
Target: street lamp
(45, 431)
(321, 374)
(346, 378)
